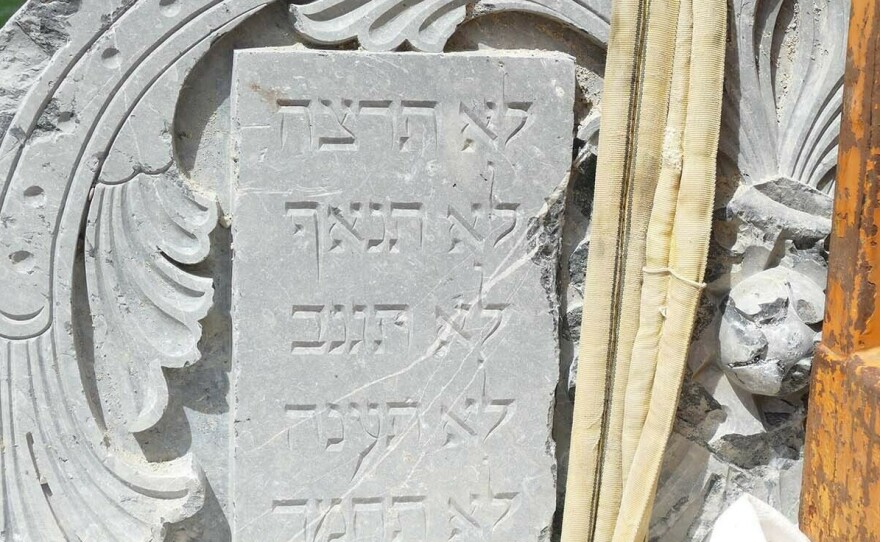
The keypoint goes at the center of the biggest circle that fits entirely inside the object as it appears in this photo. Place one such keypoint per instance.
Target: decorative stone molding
(387, 24)
(783, 93)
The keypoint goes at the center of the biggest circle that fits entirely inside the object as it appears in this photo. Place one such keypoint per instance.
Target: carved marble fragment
(118, 389)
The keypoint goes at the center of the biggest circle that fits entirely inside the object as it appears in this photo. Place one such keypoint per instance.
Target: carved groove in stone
(59, 481)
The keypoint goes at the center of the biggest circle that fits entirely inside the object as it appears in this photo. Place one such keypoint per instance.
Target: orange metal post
(841, 488)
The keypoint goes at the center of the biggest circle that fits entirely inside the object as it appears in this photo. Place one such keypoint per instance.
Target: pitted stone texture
(394, 312)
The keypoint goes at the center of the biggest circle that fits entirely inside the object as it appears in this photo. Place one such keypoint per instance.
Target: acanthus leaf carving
(146, 309)
(74, 156)
(784, 90)
(382, 25)
(426, 25)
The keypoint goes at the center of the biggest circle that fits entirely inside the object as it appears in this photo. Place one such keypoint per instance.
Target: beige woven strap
(619, 104)
(654, 194)
(688, 251)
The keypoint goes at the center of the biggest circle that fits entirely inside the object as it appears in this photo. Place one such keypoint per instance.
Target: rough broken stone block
(393, 314)
(766, 340)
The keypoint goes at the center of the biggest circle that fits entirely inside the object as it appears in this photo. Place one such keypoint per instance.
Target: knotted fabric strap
(674, 274)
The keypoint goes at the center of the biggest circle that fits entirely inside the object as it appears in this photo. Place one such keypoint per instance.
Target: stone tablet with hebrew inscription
(395, 334)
